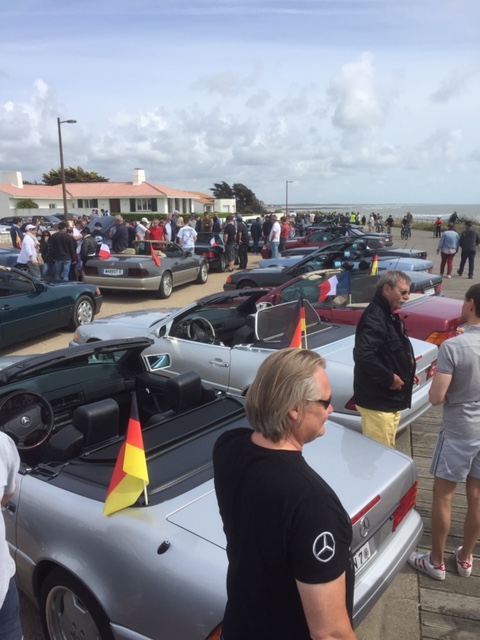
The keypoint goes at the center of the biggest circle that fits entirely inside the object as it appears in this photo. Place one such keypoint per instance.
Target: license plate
(429, 292)
(362, 556)
(112, 272)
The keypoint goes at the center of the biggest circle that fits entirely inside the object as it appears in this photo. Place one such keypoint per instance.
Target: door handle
(219, 363)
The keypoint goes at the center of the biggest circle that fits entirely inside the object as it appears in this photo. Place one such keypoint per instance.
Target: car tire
(83, 312)
(223, 263)
(65, 603)
(247, 284)
(202, 274)
(166, 285)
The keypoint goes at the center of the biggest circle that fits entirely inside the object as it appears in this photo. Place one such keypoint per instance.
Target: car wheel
(83, 312)
(247, 284)
(202, 274)
(68, 609)
(223, 263)
(166, 285)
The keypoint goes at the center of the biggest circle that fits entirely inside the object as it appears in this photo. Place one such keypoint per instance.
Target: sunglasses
(325, 403)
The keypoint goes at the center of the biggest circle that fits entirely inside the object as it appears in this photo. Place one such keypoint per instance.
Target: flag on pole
(155, 258)
(213, 242)
(298, 327)
(104, 251)
(130, 476)
(335, 286)
(374, 267)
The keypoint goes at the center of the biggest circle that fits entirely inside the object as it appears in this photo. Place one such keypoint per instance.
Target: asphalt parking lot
(413, 607)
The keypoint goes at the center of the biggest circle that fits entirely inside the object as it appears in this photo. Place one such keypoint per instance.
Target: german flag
(130, 476)
(299, 326)
(374, 267)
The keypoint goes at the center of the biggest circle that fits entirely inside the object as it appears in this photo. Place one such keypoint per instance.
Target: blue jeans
(10, 626)
(62, 269)
(274, 246)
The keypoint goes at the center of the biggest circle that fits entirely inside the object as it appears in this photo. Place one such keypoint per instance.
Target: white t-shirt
(275, 232)
(187, 237)
(9, 464)
(140, 231)
(29, 249)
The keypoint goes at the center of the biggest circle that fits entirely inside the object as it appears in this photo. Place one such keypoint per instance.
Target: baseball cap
(98, 225)
(145, 220)
(29, 227)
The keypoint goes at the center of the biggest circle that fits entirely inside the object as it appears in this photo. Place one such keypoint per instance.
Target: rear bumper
(420, 404)
(388, 562)
(140, 284)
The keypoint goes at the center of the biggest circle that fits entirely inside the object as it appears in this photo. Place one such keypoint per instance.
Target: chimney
(14, 178)
(138, 176)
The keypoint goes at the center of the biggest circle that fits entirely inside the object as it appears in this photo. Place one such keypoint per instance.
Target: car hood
(367, 465)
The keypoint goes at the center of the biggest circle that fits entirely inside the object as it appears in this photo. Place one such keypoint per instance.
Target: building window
(146, 204)
(52, 206)
(88, 203)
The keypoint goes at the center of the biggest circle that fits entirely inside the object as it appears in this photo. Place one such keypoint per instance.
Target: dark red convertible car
(430, 318)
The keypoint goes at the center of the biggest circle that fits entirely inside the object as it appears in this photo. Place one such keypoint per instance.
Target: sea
(420, 212)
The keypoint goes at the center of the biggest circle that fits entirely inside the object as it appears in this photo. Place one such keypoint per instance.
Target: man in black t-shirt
(290, 573)
(229, 237)
(242, 241)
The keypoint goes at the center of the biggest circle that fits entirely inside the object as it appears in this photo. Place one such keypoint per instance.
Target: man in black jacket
(469, 241)
(384, 372)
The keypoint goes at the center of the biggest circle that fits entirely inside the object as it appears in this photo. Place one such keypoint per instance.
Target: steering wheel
(200, 330)
(28, 420)
(306, 268)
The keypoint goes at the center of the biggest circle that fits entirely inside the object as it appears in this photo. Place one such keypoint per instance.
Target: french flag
(213, 243)
(335, 286)
(104, 252)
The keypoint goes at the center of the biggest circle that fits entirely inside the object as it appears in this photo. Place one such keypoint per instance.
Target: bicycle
(405, 232)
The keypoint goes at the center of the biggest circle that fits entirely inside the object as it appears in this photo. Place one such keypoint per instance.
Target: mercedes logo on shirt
(324, 547)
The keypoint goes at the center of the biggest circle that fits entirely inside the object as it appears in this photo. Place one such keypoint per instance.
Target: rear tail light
(437, 337)
(208, 255)
(216, 633)
(229, 280)
(407, 503)
(351, 404)
(363, 512)
(91, 271)
(430, 270)
(438, 289)
(138, 273)
(432, 369)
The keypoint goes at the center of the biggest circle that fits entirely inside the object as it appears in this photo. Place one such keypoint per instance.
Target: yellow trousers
(380, 425)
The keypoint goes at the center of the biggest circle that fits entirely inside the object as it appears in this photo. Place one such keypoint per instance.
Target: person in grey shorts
(457, 453)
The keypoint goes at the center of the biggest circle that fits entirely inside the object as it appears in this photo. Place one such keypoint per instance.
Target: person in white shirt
(186, 238)
(274, 236)
(28, 256)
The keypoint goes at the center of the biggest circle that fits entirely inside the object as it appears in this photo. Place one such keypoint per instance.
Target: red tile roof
(96, 190)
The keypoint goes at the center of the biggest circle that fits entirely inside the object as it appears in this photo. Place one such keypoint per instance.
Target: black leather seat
(97, 421)
(246, 333)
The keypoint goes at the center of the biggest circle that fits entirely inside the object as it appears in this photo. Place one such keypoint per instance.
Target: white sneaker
(420, 560)
(449, 276)
(464, 567)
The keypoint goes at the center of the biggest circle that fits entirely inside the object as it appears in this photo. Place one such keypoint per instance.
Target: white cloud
(454, 84)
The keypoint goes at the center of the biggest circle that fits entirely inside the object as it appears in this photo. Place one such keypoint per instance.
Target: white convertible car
(224, 338)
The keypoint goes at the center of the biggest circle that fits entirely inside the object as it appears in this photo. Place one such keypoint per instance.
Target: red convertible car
(430, 318)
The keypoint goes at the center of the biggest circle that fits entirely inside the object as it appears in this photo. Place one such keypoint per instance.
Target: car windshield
(278, 323)
(209, 238)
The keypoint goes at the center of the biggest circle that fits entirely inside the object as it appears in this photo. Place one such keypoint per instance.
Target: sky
(350, 101)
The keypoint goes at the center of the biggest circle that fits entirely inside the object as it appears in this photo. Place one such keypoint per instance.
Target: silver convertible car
(157, 571)
(225, 338)
(155, 266)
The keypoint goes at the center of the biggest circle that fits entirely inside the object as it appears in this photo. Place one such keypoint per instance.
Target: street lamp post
(286, 197)
(62, 167)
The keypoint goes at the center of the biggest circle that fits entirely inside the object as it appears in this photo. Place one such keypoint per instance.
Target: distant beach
(421, 212)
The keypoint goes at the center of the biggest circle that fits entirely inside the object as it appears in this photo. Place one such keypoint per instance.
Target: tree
(27, 203)
(246, 200)
(222, 190)
(71, 175)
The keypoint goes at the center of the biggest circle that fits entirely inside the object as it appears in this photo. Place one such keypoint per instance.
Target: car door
(27, 308)
(210, 361)
(183, 267)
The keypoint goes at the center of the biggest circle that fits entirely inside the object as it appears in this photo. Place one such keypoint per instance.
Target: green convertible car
(31, 307)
